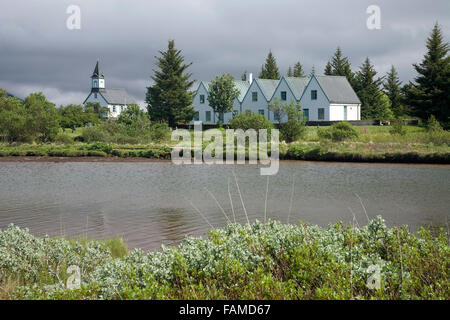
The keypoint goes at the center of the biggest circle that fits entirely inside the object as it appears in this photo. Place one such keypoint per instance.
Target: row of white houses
(323, 98)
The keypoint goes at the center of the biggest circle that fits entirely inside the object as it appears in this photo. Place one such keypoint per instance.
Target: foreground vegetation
(416, 144)
(258, 261)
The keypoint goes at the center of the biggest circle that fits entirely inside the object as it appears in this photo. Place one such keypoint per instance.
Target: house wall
(337, 112)
(255, 106)
(282, 86)
(201, 108)
(314, 105)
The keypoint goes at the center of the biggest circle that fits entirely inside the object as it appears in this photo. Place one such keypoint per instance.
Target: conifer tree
(430, 92)
(270, 69)
(169, 99)
(374, 103)
(392, 89)
(341, 66)
(328, 69)
(298, 70)
(289, 73)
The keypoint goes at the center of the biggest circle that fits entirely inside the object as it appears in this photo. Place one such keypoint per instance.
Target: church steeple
(98, 79)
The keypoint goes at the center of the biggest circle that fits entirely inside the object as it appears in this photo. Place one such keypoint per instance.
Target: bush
(397, 127)
(338, 132)
(250, 120)
(293, 130)
(159, 132)
(94, 134)
(257, 261)
(100, 146)
(63, 138)
(433, 125)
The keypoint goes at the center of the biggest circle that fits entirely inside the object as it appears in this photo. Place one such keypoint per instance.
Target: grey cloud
(38, 52)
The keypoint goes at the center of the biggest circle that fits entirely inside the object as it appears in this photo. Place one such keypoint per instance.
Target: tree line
(382, 97)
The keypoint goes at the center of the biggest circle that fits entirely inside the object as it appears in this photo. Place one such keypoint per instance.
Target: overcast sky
(39, 53)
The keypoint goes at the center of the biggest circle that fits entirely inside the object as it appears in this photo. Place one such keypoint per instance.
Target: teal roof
(297, 85)
(267, 87)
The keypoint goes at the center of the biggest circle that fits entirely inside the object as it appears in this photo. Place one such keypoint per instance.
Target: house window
(275, 117)
(114, 108)
(283, 95)
(196, 116)
(208, 116)
(261, 111)
(202, 98)
(306, 114)
(254, 96)
(321, 114)
(313, 94)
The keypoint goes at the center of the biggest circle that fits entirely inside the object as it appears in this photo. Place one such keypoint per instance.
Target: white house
(323, 98)
(116, 100)
(204, 112)
(330, 98)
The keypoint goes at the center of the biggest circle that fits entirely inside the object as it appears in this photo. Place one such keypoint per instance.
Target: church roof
(97, 72)
(116, 96)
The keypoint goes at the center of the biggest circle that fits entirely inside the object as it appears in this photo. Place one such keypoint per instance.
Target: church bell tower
(98, 79)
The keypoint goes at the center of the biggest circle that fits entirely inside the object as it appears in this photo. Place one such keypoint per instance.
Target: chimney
(250, 78)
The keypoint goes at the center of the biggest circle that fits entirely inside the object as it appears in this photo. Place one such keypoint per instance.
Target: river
(154, 203)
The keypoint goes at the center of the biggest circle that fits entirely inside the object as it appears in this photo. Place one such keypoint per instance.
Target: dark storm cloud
(38, 52)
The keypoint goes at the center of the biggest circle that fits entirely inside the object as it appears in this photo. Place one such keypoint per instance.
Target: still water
(154, 203)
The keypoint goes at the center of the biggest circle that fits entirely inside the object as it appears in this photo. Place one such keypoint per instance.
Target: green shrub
(324, 133)
(433, 125)
(63, 138)
(257, 261)
(100, 146)
(338, 132)
(250, 120)
(397, 127)
(293, 130)
(159, 132)
(94, 134)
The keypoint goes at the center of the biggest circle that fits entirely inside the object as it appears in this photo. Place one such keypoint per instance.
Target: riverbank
(392, 152)
(258, 261)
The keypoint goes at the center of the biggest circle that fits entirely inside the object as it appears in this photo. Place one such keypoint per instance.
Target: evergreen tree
(244, 76)
(290, 73)
(169, 99)
(392, 87)
(313, 71)
(374, 103)
(328, 69)
(298, 70)
(270, 69)
(341, 66)
(430, 92)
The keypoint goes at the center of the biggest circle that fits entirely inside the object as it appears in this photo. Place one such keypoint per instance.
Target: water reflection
(148, 203)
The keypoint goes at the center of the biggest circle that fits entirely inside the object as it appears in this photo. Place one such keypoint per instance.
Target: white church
(323, 98)
(116, 100)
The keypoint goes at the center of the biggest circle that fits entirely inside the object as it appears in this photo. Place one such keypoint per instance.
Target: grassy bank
(373, 144)
(258, 261)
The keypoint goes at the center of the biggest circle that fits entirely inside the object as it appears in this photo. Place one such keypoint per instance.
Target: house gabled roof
(297, 85)
(267, 87)
(116, 96)
(241, 86)
(338, 89)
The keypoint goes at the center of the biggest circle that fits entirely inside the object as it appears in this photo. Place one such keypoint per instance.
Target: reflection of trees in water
(172, 224)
